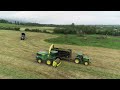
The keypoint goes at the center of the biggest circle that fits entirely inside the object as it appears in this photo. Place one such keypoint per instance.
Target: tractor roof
(85, 56)
(42, 52)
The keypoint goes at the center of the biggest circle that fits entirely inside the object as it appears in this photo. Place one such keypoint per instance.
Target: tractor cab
(80, 55)
(42, 55)
(53, 53)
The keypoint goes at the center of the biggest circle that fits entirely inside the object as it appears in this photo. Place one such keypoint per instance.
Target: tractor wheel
(77, 61)
(48, 62)
(39, 61)
(86, 63)
(54, 64)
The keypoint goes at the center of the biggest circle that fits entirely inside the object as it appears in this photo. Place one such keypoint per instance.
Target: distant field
(17, 59)
(23, 27)
(9, 25)
(89, 40)
(34, 27)
(49, 29)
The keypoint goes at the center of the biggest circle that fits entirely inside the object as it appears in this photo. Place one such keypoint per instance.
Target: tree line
(87, 29)
(36, 30)
(10, 28)
(70, 29)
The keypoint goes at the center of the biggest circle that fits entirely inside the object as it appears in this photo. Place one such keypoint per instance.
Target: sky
(64, 17)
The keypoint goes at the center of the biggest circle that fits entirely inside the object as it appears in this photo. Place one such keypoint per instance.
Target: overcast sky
(64, 17)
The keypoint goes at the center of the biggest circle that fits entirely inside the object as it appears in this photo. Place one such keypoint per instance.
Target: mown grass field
(17, 59)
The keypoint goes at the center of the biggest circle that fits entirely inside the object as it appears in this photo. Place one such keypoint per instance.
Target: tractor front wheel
(86, 63)
(39, 61)
(48, 62)
(77, 61)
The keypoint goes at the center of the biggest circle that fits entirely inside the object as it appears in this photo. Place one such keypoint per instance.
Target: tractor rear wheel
(77, 61)
(48, 62)
(86, 63)
(39, 61)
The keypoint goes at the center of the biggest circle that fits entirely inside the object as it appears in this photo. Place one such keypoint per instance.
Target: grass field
(23, 27)
(9, 25)
(34, 27)
(17, 59)
(89, 40)
(48, 29)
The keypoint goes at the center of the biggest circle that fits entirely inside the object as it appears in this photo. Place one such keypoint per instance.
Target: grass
(17, 59)
(23, 27)
(91, 40)
(9, 25)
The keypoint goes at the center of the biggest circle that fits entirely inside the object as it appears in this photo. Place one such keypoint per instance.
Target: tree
(3, 21)
(73, 24)
(15, 22)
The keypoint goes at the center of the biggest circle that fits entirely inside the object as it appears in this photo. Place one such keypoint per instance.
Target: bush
(10, 28)
(36, 30)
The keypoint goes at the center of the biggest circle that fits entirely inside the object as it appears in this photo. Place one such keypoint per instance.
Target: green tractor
(66, 54)
(49, 58)
(82, 59)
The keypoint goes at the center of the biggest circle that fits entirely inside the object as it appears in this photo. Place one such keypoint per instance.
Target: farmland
(17, 58)
(88, 40)
(23, 27)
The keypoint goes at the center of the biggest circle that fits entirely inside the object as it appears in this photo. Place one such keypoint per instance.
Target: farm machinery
(22, 36)
(49, 58)
(55, 55)
(66, 54)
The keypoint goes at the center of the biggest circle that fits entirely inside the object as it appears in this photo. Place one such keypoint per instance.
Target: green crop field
(23, 27)
(89, 40)
(9, 25)
(17, 58)
(34, 27)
